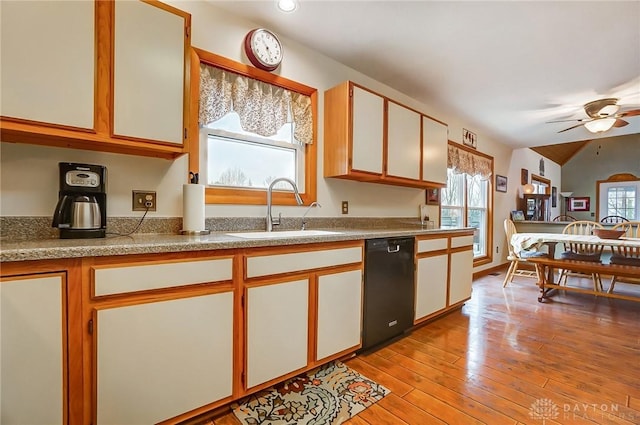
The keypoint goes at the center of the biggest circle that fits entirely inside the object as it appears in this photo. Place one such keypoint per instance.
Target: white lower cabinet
(339, 320)
(277, 323)
(32, 320)
(160, 359)
(431, 285)
(461, 276)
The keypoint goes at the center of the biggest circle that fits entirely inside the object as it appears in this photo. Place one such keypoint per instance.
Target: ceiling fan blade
(570, 128)
(575, 119)
(630, 113)
(620, 123)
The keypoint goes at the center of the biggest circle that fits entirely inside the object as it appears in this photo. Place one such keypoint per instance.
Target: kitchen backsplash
(21, 228)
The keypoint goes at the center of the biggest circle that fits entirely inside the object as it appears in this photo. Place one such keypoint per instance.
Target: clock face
(263, 49)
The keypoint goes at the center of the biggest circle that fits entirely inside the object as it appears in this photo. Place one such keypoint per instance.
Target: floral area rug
(328, 395)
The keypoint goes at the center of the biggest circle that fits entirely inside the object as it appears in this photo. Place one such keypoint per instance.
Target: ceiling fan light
(609, 110)
(600, 125)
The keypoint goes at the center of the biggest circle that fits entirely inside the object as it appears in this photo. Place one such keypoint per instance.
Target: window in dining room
(619, 198)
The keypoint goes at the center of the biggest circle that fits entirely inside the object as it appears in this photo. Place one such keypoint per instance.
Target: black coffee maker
(82, 201)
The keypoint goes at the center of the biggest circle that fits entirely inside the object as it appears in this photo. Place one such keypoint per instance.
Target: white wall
(29, 173)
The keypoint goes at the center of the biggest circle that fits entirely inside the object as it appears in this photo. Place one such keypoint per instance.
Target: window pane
(246, 164)
(477, 192)
(453, 194)
(478, 218)
(451, 217)
(621, 201)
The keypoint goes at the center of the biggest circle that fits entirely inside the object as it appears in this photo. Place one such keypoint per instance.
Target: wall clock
(263, 49)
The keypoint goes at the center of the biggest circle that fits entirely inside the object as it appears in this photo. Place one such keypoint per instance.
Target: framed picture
(469, 139)
(517, 215)
(579, 204)
(433, 196)
(524, 176)
(554, 196)
(501, 183)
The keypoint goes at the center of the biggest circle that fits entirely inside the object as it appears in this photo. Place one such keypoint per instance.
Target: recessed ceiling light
(287, 5)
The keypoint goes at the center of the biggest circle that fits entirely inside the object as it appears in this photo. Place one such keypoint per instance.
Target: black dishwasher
(388, 289)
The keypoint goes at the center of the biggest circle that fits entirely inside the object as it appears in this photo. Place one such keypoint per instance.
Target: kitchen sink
(283, 234)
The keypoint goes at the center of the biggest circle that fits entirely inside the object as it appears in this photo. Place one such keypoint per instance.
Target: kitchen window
(234, 158)
(254, 127)
(466, 200)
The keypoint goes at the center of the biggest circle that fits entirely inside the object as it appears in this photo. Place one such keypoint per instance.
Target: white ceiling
(503, 67)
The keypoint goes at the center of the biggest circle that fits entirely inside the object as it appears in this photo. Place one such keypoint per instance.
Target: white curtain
(463, 161)
(263, 108)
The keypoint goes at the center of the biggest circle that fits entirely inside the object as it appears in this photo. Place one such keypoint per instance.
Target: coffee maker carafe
(82, 201)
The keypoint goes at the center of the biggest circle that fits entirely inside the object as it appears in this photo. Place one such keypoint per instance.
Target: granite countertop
(47, 249)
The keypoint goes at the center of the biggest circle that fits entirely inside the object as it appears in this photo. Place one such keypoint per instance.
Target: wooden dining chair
(515, 260)
(613, 219)
(626, 255)
(581, 251)
(564, 217)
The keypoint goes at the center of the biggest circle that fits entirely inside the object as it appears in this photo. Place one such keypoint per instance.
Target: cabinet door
(148, 80)
(277, 317)
(32, 337)
(161, 359)
(339, 312)
(403, 142)
(434, 151)
(367, 128)
(48, 61)
(431, 285)
(461, 276)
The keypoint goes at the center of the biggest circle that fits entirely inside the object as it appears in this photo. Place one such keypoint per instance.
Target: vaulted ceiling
(504, 67)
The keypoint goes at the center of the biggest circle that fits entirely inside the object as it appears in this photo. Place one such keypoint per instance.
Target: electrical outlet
(143, 200)
(345, 207)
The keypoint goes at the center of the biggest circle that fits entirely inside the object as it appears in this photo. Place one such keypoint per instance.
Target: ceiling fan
(602, 115)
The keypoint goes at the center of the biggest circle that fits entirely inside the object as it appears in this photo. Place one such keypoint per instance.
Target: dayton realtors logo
(545, 409)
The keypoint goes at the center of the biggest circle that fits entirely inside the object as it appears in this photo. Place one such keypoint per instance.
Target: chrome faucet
(313, 204)
(276, 221)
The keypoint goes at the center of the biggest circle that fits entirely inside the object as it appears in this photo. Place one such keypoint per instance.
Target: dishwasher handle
(392, 250)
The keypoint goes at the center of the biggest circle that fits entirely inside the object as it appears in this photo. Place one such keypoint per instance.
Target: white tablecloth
(534, 241)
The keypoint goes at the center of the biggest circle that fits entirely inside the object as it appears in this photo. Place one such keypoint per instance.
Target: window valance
(463, 161)
(263, 108)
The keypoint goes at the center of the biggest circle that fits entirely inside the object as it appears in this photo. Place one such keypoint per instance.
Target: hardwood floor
(504, 358)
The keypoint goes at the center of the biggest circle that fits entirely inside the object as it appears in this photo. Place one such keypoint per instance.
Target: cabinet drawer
(297, 261)
(427, 245)
(119, 280)
(457, 242)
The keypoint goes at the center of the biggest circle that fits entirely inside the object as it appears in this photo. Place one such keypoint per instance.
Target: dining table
(535, 242)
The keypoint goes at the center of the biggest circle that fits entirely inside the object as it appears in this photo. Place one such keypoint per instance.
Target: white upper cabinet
(369, 137)
(48, 62)
(368, 119)
(435, 137)
(403, 142)
(149, 64)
